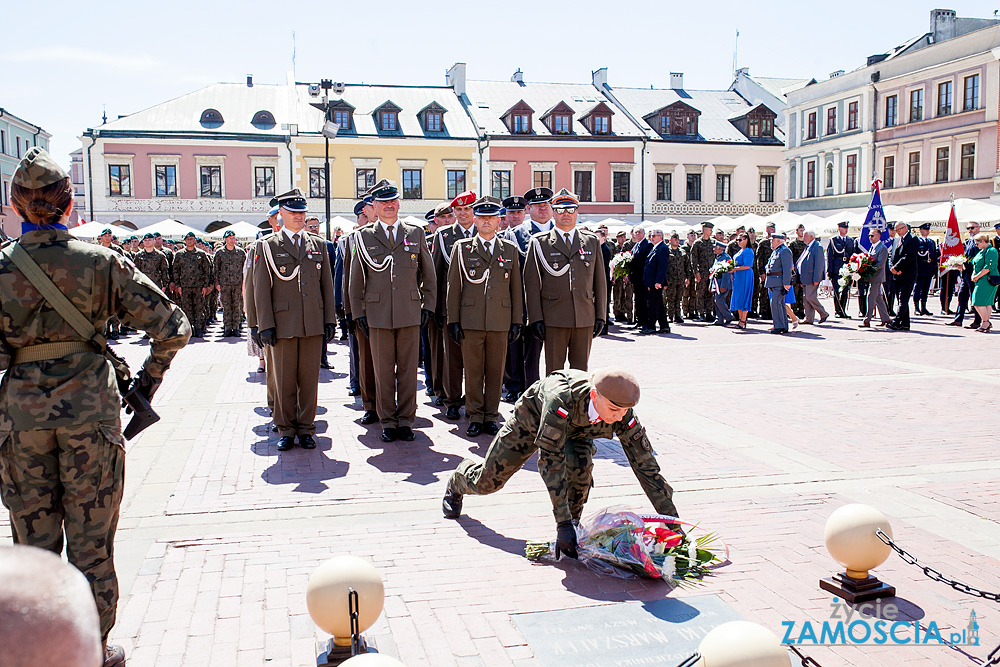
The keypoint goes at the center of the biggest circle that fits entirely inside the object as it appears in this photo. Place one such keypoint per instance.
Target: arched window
(263, 120)
(210, 118)
(829, 174)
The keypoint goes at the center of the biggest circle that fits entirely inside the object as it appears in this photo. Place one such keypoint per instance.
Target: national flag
(875, 218)
(952, 243)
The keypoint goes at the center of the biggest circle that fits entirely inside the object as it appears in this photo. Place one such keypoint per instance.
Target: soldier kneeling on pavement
(560, 416)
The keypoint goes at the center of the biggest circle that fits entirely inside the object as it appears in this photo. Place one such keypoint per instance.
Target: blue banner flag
(875, 218)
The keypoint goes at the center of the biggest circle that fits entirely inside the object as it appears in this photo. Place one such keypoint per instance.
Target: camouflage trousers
(232, 307)
(621, 300)
(193, 304)
(672, 295)
(705, 304)
(510, 450)
(690, 300)
(211, 305)
(69, 481)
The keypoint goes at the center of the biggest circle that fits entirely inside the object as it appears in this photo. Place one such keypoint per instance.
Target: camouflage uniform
(155, 265)
(621, 291)
(691, 291)
(62, 455)
(702, 258)
(229, 276)
(552, 417)
(798, 246)
(763, 300)
(678, 270)
(192, 272)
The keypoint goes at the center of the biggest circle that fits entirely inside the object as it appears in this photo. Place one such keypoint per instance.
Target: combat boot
(451, 504)
(114, 656)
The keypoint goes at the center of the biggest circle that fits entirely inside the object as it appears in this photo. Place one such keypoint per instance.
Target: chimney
(942, 25)
(249, 80)
(743, 72)
(600, 78)
(518, 77)
(677, 80)
(455, 78)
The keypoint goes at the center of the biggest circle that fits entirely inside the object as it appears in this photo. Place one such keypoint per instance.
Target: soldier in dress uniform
(274, 223)
(702, 258)
(62, 452)
(361, 346)
(296, 315)
(778, 280)
(762, 253)
(928, 257)
(841, 248)
(513, 372)
(690, 293)
(445, 238)
(797, 247)
(228, 267)
(444, 217)
(153, 263)
(560, 416)
(565, 288)
(485, 311)
(678, 278)
(393, 289)
(193, 280)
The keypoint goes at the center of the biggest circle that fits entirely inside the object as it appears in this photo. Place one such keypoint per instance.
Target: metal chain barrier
(934, 574)
(993, 658)
(352, 608)
(806, 660)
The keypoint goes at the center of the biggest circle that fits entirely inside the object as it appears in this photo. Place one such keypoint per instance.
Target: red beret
(464, 199)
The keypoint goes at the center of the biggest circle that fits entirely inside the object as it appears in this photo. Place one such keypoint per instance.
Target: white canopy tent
(244, 231)
(170, 229)
(92, 230)
(966, 210)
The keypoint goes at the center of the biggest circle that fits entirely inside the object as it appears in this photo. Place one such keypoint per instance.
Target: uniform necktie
(489, 248)
(390, 231)
(468, 233)
(295, 239)
(566, 236)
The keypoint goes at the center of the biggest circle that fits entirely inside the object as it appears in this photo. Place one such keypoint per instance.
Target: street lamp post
(329, 132)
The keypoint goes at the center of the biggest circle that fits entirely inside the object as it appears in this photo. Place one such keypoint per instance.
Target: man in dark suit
(636, 268)
(965, 293)
(654, 276)
(903, 265)
(927, 266)
(607, 251)
(842, 247)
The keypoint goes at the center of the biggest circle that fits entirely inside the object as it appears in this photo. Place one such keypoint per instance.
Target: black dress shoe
(325, 364)
(369, 417)
(474, 430)
(354, 392)
(647, 332)
(285, 443)
(680, 320)
(429, 391)
(665, 330)
(439, 401)
(953, 323)
(451, 504)
(306, 441)
(452, 412)
(406, 434)
(388, 434)
(491, 428)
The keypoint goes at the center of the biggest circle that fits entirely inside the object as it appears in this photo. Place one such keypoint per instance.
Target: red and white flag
(952, 243)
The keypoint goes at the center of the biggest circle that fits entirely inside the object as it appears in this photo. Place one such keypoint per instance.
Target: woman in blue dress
(789, 302)
(742, 280)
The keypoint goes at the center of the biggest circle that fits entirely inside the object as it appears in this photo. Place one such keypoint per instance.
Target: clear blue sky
(62, 62)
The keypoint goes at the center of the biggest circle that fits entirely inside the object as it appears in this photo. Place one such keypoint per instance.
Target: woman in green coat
(984, 264)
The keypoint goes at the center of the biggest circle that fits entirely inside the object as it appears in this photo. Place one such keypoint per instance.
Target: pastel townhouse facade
(908, 116)
(215, 155)
(17, 135)
(554, 135)
(418, 136)
(702, 153)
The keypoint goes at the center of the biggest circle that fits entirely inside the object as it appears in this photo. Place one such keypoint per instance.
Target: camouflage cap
(618, 386)
(37, 169)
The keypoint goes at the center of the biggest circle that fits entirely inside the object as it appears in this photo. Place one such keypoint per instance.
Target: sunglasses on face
(568, 209)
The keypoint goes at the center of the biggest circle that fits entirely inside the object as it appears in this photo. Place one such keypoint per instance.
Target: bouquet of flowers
(861, 266)
(953, 263)
(620, 264)
(626, 545)
(719, 268)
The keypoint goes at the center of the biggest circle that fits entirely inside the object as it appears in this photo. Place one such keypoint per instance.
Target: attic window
(598, 119)
(559, 119)
(561, 123)
(263, 120)
(520, 123)
(432, 121)
(388, 120)
(210, 118)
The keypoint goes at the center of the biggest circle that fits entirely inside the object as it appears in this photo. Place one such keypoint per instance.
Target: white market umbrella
(244, 230)
(170, 229)
(967, 210)
(92, 230)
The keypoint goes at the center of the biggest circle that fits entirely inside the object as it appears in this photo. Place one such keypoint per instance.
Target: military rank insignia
(562, 412)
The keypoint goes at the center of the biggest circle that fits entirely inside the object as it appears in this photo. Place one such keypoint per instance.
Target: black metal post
(326, 183)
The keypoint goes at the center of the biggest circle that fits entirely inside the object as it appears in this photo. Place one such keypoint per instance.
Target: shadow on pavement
(489, 537)
(416, 458)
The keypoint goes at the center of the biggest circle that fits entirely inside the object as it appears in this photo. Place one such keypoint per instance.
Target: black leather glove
(456, 332)
(598, 327)
(255, 337)
(538, 330)
(145, 385)
(329, 332)
(425, 317)
(566, 539)
(341, 313)
(269, 337)
(362, 323)
(439, 318)
(514, 333)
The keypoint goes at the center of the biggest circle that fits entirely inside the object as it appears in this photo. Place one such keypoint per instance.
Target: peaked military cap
(926, 226)
(538, 195)
(503, 212)
(617, 385)
(226, 234)
(843, 225)
(675, 235)
(486, 206)
(444, 208)
(293, 200)
(996, 226)
(720, 244)
(429, 216)
(515, 203)
(384, 190)
(273, 211)
(467, 198)
(779, 236)
(368, 201)
(359, 208)
(37, 169)
(565, 199)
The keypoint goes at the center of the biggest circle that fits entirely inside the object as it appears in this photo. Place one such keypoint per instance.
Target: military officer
(296, 315)
(761, 255)
(797, 247)
(678, 278)
(228, 269)
(560, 416)
(393, 290)
(444, 217)
(514, 365)
(702, 258)
(274, 224)
(485, 311)
(62, 453)
(193, 280)
(445, 238)
(691, 293)
(841, 248)
(565, 287)
(778, 280)
(928, 256)
(621, 288)
(153, 263)
(364, 363)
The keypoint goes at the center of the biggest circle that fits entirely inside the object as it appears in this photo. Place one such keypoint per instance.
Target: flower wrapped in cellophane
(861, 266)
(953, 263)
(626, 545)
(722, 267)
(620, 264)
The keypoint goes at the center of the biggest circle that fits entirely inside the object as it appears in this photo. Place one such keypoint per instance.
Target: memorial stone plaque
(627, 633)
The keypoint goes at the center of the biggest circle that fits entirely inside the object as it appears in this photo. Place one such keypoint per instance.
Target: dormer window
(518, 118)
(210, 119)
(757, 123)
(601, 125)
(387, 117)
(342, 113)
(560, 124)
(263, 120)
(559, 119)
(432, 117)
(678, 120)
(432, 122)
